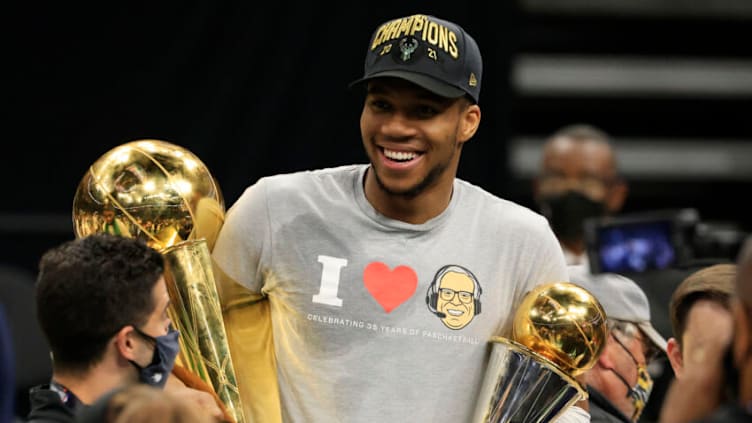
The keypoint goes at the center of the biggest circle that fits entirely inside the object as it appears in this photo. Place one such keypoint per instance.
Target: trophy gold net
(559, 330)
(163, 194)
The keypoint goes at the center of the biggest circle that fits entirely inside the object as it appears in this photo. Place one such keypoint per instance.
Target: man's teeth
(399, 155)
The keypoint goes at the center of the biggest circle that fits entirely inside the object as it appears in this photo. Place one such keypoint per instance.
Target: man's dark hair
(88, 289)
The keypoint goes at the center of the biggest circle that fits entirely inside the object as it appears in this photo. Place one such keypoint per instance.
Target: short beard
(413, 192)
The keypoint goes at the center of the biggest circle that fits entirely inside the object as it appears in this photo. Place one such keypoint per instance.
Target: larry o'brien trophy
(558, 333)
(163, 194)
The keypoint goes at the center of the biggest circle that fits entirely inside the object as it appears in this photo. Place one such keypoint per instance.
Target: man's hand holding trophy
(558, 332)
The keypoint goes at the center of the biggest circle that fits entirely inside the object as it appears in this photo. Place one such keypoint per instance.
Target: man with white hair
(619, 384)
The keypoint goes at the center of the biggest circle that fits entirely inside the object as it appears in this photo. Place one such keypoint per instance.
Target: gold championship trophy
(559, 332)
(163, 194)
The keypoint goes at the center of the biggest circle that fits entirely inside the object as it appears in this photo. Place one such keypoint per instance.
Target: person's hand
(203, 399)
(698, 388)
(709, 330)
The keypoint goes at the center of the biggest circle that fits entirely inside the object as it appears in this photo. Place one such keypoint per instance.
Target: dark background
(258, 88)
(255, 90)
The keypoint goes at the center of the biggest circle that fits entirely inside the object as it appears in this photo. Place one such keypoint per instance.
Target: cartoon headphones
(432, 294)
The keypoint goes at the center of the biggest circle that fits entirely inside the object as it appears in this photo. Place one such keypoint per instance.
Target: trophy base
(521, 386)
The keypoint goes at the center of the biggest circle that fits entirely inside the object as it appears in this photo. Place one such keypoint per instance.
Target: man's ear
(124, 342)
(469, 123)
(673, 351)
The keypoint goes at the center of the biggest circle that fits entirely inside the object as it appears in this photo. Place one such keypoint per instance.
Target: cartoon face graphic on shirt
(454, 296)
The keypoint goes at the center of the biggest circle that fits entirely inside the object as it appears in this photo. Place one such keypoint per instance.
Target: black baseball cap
(435, 54)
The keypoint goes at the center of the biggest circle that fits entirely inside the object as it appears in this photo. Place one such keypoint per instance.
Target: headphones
(432, 294)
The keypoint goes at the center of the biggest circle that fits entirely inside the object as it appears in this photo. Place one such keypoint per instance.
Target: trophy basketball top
(564, 323)
(149, 189)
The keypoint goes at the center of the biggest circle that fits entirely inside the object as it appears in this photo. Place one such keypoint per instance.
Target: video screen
(635, 247)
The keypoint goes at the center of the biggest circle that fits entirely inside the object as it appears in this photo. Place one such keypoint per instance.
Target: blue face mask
(166, 349)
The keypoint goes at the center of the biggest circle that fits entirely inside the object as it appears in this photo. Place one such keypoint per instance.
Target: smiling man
(358, 244)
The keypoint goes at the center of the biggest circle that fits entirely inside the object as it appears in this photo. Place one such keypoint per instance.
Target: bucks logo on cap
(435, 54)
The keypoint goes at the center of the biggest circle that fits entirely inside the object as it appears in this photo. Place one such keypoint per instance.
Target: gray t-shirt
(374, 319)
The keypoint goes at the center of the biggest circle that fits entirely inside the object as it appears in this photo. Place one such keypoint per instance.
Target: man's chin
(399, 189)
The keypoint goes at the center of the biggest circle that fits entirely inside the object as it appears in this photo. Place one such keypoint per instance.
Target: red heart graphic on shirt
(390, 288)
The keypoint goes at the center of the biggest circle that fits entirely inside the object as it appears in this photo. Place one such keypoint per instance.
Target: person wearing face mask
(102, 306)
(619, 384)
(578, 179)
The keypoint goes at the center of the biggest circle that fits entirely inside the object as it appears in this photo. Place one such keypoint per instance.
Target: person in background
(702, 324)
(345, 257)
(619, 384)
(688, 398)
(578, 179)
(102, 306)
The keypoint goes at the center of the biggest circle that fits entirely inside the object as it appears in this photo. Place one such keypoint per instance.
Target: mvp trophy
(559, 331)
(164, 195)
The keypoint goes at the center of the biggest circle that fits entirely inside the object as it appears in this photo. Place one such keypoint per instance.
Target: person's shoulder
(294, 180)
(47, 407)
(338, 174)
(497, 206)
(304, 185)
(43, 394)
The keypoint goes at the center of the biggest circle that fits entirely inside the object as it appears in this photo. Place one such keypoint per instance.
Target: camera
(658, 239)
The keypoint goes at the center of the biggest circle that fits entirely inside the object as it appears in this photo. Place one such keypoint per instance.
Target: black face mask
(566, 213)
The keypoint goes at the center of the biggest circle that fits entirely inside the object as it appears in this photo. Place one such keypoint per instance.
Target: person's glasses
(650, 350)
(447, 294)
(624, 347)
